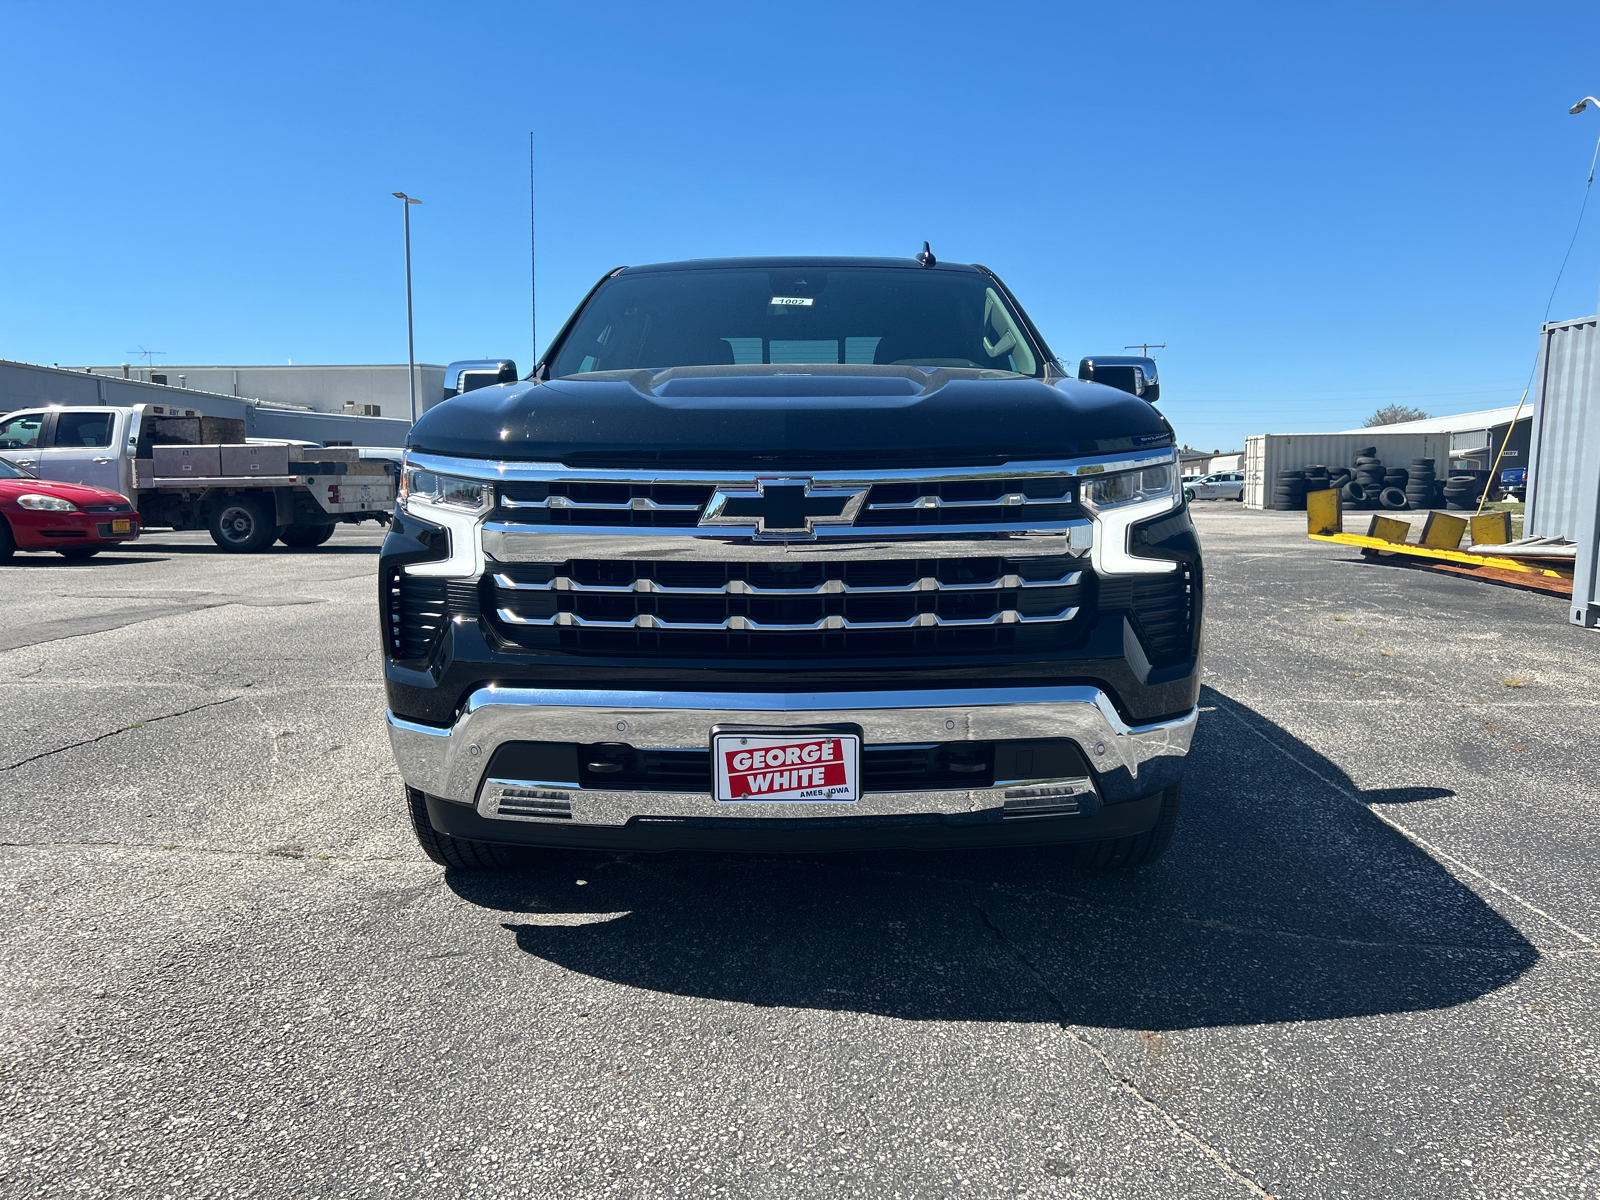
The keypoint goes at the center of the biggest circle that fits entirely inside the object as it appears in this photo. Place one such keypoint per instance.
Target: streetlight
(1575, 110)
(411, 342)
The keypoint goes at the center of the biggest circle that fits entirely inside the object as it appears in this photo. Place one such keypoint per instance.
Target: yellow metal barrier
(1491, 529)
(1439, 545)
(1390, 529)
(1324, 513)
(1442, 531)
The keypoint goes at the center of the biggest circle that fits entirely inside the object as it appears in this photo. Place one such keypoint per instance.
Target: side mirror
(470, 374)
(1136, 376)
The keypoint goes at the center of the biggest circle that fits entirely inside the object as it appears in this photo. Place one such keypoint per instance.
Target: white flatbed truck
(183, 469)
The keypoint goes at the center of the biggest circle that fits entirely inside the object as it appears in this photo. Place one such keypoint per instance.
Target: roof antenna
(926, 258)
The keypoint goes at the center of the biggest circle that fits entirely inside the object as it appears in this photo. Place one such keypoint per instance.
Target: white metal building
(1465, 441)
(374, 389)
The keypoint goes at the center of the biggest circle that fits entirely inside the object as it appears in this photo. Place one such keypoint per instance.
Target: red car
(73, 519)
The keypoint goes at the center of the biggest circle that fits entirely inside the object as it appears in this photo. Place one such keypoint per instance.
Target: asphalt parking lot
(1368, 966)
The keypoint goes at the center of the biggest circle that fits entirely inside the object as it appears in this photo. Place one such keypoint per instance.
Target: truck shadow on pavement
(1280, 899)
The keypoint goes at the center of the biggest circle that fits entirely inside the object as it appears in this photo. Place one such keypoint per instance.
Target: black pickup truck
(794, 554)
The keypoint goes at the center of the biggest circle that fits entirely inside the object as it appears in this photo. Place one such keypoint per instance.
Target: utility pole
(1144, 348)
(411, 341)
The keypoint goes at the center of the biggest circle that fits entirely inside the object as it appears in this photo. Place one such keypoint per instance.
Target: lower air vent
(517, 801)
(1163, 608)
(1047, 799)
(417, 611)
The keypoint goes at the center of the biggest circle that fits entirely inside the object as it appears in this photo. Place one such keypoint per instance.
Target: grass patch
(1516, 681)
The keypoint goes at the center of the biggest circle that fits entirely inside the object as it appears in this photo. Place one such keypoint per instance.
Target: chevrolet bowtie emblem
(783, 507)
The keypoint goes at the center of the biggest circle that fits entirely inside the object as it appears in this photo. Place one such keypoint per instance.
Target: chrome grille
(970, 501)
(910, 503)
(579, 503)
(644, 562)
(839, 606)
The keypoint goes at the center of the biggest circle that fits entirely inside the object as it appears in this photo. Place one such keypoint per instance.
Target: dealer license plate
(786, 766)
(121, 525)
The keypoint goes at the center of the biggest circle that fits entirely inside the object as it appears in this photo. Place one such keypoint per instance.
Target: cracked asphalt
(1367, 966)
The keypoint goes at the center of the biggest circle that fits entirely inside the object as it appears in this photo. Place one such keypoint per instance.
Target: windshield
(798, 315)
(10, 470)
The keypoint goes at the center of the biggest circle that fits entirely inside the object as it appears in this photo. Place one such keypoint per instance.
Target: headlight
(46, 503)
(1128, 487)
(454, 503)
(1120, 500)
(421, 489)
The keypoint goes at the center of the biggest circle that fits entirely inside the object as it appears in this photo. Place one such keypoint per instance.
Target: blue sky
(1320, 209)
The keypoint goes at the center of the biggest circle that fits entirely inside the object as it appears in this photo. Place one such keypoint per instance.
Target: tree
(1393, 414)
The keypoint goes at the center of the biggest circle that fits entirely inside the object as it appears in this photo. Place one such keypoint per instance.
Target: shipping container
(1266, 454)
(1566, 429)
(1564, 468)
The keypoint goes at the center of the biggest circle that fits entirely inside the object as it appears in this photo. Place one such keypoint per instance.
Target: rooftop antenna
(533, 274)
(1144, 348)
(149, 355)
(926, 258)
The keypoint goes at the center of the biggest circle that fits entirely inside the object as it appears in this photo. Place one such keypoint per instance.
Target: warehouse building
(373, 390)
(1476, 438)
(29, 385)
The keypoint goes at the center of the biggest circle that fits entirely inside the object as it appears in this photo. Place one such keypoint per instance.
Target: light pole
(411, 341)
(1575, 110)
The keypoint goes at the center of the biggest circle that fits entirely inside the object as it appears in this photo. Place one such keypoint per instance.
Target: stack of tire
(1316, 478)
(1461, 491)
(1289, 492)
(1393, 495)
(1420, 483)
(1369, 477)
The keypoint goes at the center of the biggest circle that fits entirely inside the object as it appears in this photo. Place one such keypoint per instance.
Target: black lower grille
(940, 766)
(417, 611)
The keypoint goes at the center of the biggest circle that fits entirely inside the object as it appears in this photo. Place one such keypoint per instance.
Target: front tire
(8, 544)
(303, 537)
(1130, 853)
(240, 525)
(454, 852)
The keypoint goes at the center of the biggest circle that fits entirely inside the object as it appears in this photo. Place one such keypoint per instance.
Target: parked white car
(1223, 485)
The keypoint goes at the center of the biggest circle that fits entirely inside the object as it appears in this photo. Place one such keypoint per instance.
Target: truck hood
(730, 417)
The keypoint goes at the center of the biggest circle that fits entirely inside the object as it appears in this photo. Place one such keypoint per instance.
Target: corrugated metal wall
(1266, 454)
(1566, 429)
(26, 385)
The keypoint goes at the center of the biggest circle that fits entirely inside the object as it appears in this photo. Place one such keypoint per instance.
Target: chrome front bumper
(450, 763)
